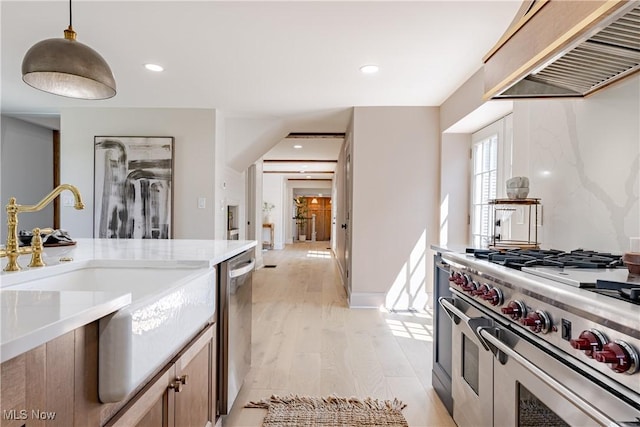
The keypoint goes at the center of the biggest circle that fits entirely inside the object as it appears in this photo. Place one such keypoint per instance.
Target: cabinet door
(37, 386)
(196, 369)
(152, 405)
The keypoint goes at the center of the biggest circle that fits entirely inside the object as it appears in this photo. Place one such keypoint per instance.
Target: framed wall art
(133, 187)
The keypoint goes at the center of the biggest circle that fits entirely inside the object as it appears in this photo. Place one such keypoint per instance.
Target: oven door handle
(455, 314)
(496, 343)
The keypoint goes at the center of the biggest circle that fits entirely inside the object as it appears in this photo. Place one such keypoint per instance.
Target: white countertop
(31, 318)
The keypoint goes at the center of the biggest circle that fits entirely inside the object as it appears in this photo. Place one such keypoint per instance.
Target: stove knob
(481, 290)
(589, 342)
(494, 297)
(456, 278)
(620, 356)
(460, 279)
(515, 309)
(538, 321)
(470, 286)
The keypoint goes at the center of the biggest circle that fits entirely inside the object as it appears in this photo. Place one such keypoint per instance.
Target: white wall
(454, 189)
(582, 158)
(396, 158)
(273, 192)
(26, 152)
(194, 148)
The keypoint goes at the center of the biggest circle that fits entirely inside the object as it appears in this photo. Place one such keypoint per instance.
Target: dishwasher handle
(241, 271)
(593, 412)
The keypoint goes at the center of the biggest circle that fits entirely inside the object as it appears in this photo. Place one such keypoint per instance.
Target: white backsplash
(583, 160)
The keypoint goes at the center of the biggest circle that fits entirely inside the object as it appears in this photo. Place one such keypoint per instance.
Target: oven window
(470, 363)
(533, 413)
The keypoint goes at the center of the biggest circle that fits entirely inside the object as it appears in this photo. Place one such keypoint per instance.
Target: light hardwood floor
(307, 341)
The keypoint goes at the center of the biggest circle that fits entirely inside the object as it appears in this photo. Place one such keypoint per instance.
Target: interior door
(251, 203)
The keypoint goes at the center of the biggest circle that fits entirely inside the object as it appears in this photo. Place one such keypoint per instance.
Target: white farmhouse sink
(170, 302)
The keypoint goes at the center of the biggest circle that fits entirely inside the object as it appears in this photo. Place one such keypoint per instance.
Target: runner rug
(330, 411)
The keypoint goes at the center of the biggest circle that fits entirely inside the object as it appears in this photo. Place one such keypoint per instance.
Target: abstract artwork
(133, 187)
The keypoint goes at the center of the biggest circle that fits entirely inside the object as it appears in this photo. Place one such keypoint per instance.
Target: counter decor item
(518, 187)
(50, 237)
(133, 187)
(631, 259)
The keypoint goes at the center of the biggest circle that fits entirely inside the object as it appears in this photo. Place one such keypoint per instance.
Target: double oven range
(543, 338)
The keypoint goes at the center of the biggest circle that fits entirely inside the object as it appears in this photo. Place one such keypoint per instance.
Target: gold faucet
(13, 250)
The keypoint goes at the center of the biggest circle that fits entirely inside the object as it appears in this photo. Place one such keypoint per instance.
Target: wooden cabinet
(36, 386)
(182, 395)
(195, 405)
(56, 384)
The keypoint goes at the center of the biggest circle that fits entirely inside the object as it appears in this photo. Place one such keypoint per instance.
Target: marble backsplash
(582, 157)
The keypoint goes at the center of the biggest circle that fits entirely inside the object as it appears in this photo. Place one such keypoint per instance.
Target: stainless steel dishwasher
(234, 326)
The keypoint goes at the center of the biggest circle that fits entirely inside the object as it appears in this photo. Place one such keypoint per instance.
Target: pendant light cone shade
(68, 68)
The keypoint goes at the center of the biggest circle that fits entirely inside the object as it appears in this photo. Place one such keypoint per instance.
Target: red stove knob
(453, 276)
(620, 356)
(538, 321)
(494, 297)
(589, 342)
(515, 309)
(481, 290)
(470, 286)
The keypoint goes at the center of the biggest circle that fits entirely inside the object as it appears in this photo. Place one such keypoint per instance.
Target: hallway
(306, 341)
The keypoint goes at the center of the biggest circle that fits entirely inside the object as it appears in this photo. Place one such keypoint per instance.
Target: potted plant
(301, 216)
(266, 212)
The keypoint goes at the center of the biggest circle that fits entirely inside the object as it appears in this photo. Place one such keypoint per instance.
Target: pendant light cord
(70, 15)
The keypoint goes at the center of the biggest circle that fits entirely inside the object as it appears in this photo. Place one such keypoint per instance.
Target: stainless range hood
(565, 49)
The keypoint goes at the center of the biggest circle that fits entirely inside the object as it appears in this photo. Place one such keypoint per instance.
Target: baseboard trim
(367, 299)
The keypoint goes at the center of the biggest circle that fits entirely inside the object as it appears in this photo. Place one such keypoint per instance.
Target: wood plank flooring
(307, 341)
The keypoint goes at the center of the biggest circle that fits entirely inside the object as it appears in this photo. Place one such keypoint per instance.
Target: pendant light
(68, 68)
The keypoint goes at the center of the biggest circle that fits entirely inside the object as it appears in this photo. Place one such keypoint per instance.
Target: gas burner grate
(578, 258)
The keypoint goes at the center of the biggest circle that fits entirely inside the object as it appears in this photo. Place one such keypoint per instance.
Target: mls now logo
(23, 414)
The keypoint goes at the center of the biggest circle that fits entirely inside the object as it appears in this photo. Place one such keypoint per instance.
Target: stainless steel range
(544, 339)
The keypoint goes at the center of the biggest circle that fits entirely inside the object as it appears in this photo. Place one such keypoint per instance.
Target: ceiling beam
(299, 135)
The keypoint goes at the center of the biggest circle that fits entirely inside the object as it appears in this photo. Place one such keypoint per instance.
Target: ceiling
(260, 58)
(304, 156)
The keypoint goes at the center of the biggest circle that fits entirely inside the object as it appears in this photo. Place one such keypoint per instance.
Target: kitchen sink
(170, 303)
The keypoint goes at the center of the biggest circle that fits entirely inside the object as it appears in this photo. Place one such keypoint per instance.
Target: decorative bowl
(632, 262)
(518, 182)
(518, 193)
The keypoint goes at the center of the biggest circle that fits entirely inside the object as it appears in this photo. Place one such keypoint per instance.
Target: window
(491, 157)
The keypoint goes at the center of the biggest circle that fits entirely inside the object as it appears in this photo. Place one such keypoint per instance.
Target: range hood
(561, 48)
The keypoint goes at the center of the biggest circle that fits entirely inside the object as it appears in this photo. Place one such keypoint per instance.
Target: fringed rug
(331, 411)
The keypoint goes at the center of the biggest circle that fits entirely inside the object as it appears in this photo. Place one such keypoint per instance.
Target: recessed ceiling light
(297, 146)
(369, 69)
(153, 67)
